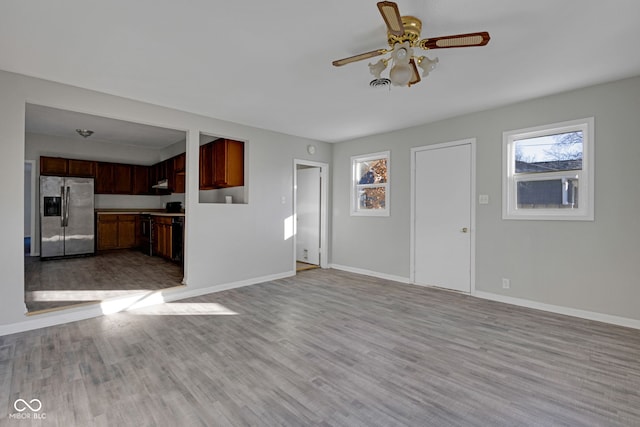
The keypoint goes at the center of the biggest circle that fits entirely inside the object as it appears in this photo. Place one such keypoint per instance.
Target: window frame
(355, 206)
(510, 179)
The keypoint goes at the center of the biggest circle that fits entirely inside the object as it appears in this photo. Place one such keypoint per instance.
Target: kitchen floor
(54, 284)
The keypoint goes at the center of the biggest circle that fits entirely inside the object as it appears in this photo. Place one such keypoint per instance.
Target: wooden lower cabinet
(107, 232)
(116, 231)
(162, 237)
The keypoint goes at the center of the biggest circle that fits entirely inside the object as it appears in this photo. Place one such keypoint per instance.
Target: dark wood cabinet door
(170, 172)
(179, 185)
(122, 179)
(141, 183)
(228, 166)
(206, 167)
(179, 163)
(54, 166)
(107, 232)
(162, 236)
(179, 173)
(126, 231)
(83, 168)
(104, 178)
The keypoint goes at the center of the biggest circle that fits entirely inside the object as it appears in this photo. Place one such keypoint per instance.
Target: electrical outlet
(506, 283)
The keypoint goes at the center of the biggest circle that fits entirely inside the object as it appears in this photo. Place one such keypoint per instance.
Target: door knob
(464, 230)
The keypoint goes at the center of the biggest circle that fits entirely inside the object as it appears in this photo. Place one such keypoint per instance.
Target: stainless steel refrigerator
(66, 216)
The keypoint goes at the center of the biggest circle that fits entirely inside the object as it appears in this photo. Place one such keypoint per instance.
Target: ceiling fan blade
(349, 60)
(415, 78)
(458, 40)
(391, 15)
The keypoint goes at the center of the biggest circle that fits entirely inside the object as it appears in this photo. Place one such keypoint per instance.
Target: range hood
(162, 184)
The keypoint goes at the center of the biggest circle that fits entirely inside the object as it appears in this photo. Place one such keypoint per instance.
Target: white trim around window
(371, 190)
(525, 178)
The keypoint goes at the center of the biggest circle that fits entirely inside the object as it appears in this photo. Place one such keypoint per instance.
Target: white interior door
(308, 215)
(442, 215)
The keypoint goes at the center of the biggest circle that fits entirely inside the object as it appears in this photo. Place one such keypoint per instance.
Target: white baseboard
(182, 293)
(371, 273)
(584, 314)
(129, 302)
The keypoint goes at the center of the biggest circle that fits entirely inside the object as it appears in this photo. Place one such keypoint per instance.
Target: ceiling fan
(403, 36)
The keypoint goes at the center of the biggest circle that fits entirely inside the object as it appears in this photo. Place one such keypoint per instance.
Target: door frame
(324, 186)
(35, 209)
(472, 231)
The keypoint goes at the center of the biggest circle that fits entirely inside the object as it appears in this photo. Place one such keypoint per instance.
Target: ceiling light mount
(84, 132)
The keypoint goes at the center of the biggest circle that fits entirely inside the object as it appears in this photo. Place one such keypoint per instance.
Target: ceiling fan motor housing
(412, 28)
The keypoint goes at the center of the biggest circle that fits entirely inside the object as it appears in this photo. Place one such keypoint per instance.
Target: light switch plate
(483, 199)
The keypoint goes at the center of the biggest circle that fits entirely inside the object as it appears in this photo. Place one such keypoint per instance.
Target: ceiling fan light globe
(377, 68)
(427, 65)
(402, 53)
(400, 75)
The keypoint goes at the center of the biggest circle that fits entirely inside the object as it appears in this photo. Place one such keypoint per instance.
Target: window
(370, 189)
(548, 172)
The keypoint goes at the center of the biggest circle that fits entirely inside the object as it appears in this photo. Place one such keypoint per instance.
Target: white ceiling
(63, 123)
(268, 63)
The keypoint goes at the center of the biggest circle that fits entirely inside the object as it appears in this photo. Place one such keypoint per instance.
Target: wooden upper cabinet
(84, 168)
(206, 167)
(119, 178)
(67, 167)
(228, 168)
(54, 166)
(170, 173)
(179, 173)
(179, 163)
(221, 164)
(104, 178)
(141, 183)
(114, 178)
(122, 179)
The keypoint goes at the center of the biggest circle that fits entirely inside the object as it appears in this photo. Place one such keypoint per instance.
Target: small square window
(370, 184)
(548, 172)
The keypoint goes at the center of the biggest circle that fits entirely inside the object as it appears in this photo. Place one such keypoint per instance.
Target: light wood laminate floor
(326, 348)
(64, 282)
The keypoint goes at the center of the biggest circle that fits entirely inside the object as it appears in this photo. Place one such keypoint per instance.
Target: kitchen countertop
(137, 212)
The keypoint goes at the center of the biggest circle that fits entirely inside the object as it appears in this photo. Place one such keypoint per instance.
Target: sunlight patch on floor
(78, 295)
(185, 309)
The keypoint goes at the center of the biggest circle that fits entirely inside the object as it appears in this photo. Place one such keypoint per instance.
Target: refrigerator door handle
(66, 206)
(63, 206)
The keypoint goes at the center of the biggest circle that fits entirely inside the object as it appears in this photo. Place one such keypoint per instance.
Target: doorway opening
(133, 170)
(310, 214)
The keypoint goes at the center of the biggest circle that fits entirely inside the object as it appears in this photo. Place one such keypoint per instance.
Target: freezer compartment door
(51, 216)
(79, 216)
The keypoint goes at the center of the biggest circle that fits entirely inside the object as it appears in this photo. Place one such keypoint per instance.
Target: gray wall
(591, 266)
(224, 243)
